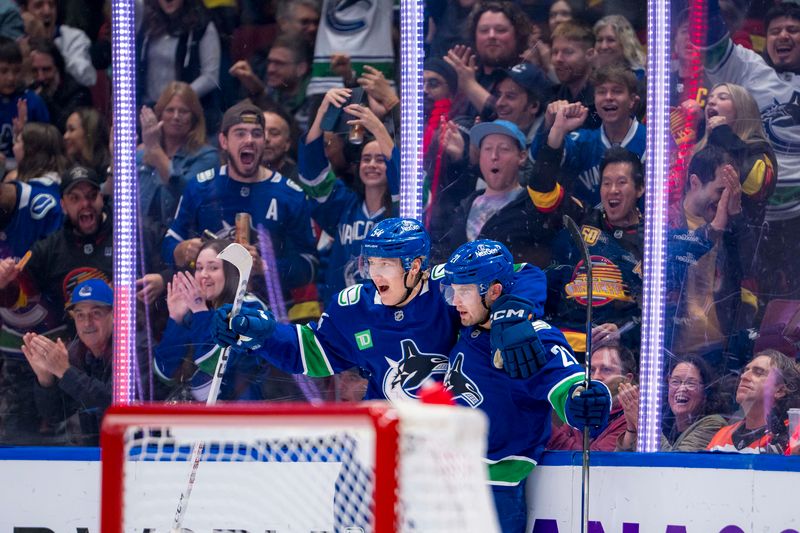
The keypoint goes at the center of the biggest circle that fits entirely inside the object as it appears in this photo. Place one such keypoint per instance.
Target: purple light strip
(271, 279)
(278, 304)
(411, 62)
(658, 54)
(123, 64)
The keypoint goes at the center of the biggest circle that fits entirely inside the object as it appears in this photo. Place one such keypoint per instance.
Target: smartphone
(336, 118)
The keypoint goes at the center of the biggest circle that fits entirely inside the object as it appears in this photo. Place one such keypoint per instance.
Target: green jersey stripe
(558, 394)
(315, 361)
(509, 470)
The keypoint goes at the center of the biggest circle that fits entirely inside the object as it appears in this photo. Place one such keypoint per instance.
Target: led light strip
(658, 56)
(411, 114)
(124, 98)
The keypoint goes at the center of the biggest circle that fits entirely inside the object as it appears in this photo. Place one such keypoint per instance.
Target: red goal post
(350, 468)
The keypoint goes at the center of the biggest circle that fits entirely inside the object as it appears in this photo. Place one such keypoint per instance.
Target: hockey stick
(577, 238)
(238, 256)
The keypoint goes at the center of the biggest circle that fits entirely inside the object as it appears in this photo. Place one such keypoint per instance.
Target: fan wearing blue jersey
(578, 152)
(349, 214)
(397, 329)
(213, 198)
(478, 280)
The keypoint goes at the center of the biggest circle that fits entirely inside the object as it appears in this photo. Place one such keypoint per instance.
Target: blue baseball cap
(92, 290)
(503, 127)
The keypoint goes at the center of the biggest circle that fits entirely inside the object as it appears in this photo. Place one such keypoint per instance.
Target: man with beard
(478, 282)
(572, 53)
(212, 200)
(34, 294)
(278, 140)
(286, 76)
(500, 33)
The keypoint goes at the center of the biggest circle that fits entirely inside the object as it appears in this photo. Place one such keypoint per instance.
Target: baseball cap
(242, 113)
(77, 174)
(93, 290)
(529, 77)
(503, 127)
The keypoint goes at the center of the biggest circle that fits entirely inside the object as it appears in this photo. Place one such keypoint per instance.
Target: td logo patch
(364, 339)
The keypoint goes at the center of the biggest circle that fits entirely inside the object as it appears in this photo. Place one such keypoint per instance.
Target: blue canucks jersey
(212, 199)
(583, 152)
(399, 348)
(37, 213)
(341, 213)
(518, 409)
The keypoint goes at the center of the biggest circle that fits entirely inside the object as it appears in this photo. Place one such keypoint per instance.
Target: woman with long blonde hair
(733, 122)
(617, 42)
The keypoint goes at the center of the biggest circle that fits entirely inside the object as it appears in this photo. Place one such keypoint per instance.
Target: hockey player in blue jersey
(213, 198)
(579, 151)
(397, 329)
(477, 281)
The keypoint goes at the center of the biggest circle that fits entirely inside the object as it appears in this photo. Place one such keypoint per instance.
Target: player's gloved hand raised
(588, 407)
(515, 343)
(249, 329)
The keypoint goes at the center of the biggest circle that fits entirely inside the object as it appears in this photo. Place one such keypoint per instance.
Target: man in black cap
(37, 289)
(213, 198)
(82, 248)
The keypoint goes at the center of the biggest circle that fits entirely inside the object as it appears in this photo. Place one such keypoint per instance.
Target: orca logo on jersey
(411, 371)
(457, 382)
(780, 123)
(41, 204)
(347, 22)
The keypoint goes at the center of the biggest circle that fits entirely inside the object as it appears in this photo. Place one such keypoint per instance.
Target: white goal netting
(413, 468)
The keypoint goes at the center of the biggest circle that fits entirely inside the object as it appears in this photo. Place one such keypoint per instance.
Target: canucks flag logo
(404, 378)
(459, 384)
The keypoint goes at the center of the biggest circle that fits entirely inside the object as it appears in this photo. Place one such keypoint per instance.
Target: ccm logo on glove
(508, 313)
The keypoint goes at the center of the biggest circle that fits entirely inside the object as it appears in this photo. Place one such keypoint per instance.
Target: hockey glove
(249, 329)
(588, 407)
(515, 343)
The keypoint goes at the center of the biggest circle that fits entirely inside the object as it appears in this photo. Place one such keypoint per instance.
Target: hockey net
(371, 468)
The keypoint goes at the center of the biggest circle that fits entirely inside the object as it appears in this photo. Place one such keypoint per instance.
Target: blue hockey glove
(588, 407)
(249, 329)
(515, 343)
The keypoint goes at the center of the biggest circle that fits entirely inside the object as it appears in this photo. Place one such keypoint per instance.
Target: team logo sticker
(404, 378)
(460, 385)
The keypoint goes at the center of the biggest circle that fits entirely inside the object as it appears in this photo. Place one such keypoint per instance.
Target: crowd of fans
(275, 124)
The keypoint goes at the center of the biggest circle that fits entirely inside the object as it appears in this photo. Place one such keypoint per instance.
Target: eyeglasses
(690, 384)
(94, 315)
